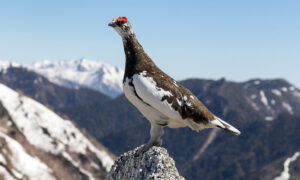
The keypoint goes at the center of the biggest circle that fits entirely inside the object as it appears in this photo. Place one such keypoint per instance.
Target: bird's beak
(112, 24)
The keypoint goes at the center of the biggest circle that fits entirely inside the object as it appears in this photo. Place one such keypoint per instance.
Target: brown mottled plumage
(138, 61)
(160, 98)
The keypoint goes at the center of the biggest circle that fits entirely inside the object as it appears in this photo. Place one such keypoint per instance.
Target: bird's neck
(132, 46)
(133, 50)
(136, 58)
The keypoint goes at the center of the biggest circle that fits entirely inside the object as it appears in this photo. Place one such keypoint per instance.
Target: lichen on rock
(155, 164)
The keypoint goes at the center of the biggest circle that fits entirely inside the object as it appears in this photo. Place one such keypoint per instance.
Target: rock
(154, 164)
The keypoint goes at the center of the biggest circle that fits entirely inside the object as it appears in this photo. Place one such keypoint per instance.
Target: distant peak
(7, 64)
(82, 60)
(46, 61)
(271, 83)
(42, 64)
(83, 73)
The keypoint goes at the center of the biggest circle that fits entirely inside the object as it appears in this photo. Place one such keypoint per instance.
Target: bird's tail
(219, 123)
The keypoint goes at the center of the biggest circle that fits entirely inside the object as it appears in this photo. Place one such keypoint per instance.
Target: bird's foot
(158, 143)
(142, 150)
(147, 146)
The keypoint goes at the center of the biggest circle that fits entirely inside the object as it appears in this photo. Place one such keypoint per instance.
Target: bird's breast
(153, 115)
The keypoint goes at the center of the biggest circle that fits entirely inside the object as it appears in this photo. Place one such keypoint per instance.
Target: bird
(163, 101)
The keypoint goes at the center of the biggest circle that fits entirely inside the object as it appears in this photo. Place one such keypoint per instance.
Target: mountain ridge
(120, 127)
(74, 74)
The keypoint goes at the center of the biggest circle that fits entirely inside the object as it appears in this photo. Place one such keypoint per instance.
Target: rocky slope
(38, 144)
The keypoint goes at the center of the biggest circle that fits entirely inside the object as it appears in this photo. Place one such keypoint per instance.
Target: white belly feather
(158, 112)
(151, 114)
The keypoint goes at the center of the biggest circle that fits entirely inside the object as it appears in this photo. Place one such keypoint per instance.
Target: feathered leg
(156, 132)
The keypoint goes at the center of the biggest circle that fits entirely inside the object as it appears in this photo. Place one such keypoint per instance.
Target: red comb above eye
(122, 19)
(125, 18)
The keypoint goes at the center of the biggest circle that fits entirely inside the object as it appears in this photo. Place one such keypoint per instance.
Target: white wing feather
(147, 90)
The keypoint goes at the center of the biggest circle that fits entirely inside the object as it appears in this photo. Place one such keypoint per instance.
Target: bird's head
(122, 26)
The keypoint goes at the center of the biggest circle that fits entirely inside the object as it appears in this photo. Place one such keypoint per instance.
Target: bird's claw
(146, 147)
(158, 143)
(142, 150)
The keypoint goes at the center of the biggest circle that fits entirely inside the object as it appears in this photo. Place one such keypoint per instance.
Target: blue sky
(234, 39)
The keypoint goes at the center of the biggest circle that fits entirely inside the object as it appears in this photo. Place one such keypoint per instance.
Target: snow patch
(285, 175)
(253, 96)
(292, 88)
(297, 94)
(26, 164)
(94, 165)
(83, 171)
(2, 159)
(256, 82)
(45, 129)
(276, 92)
(255, 107)
(9, 123)
(273, 102)
(269, 118)
(17, 174)
(284, 89)
(5, 175)
(288, 107)
(264, 99)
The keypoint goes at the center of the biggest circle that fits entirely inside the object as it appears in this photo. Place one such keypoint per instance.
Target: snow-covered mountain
(272, 97)
(21, 163)
(7, 64)
(75, 74)
(82, 73)
(266, 111)
(37, 144)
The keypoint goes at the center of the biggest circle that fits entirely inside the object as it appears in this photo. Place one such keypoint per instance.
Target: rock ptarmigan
(161, 99)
